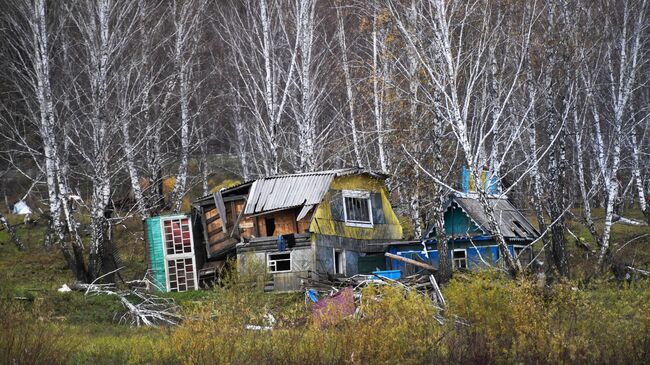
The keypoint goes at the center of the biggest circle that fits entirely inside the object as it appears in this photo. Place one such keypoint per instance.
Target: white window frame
(453, 260)
(341, 262)
(268, 262)
(358, 194)
(174, 257)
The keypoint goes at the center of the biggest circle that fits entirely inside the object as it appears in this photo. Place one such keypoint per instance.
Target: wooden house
(336, 222)
(471, 242)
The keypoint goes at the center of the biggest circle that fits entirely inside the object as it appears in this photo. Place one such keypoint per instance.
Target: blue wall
(484, 247)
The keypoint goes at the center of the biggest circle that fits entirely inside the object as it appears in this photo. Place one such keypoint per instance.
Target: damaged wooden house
(471, 242)
(335, 222)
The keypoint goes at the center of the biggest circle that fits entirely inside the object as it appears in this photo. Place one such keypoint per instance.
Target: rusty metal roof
(294, 190)
(512, 222)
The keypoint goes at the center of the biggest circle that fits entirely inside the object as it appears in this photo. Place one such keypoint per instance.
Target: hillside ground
(489, 318)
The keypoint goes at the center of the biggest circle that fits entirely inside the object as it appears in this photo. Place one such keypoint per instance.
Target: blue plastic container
(389, 274)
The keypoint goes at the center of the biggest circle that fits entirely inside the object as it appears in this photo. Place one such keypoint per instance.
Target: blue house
(472, 244)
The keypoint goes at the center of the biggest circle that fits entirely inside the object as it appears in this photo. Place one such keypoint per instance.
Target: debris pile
(337, 291)
(142, 307)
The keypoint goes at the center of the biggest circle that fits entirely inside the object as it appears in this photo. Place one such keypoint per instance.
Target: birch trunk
(348, 87)
(638, 180)
(99, 57)
(187, 17)
(181, 68)
(241, 140)
(377, 94)
(47, 122)
(309, 105)
(622, 81)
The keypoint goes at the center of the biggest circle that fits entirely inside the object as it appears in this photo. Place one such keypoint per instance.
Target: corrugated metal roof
(294, 190)
(513, 224)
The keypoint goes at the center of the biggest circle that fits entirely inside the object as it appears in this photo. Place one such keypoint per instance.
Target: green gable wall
(457, 223)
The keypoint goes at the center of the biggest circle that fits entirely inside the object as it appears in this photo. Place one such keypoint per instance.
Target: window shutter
(336, 205)
(377, 209)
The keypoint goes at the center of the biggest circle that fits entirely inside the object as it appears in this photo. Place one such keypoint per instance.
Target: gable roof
(512, 222)
(295, 190)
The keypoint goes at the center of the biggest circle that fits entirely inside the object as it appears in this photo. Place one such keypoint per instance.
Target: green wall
(156, 252)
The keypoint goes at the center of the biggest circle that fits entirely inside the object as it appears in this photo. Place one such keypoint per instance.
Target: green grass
(572, 321)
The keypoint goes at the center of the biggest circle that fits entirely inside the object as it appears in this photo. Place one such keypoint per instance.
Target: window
(339, 262)
(522, 254)
(460, 259)
(177, 236)
(357, 208)
(279, 262)
(180, 265)
(181, 274)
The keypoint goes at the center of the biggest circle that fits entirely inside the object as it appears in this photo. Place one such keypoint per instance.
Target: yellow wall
(322, 223)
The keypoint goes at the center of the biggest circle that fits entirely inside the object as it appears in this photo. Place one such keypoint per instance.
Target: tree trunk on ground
(12, 233)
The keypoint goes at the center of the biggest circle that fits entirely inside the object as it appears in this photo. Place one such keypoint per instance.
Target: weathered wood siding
(220, 241)
(329, 221)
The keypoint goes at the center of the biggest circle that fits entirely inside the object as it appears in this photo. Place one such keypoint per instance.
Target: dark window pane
(280, 256)
(283, 265)
(356, 209)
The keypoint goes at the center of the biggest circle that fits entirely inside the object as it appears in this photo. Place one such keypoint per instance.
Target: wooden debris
(412, 262)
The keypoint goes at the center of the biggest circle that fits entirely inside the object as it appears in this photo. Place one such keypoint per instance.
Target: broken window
(339, 262)
(279, 262)
(460, 259)
(357, 208)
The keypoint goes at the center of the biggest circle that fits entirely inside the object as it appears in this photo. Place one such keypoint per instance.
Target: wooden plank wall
(285, 223)
(248, 227)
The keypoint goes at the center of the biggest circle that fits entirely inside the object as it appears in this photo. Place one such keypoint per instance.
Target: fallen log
(412, 262)
(12, 233)
(629, 221)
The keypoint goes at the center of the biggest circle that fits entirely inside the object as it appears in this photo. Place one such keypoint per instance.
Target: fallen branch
(436, 288)
(632, 240)
(628, 221)
(142, 308)
(108, 273)
(642, 272)
(12, 233)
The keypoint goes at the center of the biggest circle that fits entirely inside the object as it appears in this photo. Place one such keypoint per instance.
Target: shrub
(515, 321)
(27, 337)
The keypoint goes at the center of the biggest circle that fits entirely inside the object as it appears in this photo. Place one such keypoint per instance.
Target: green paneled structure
(171, 252)
(156, 252)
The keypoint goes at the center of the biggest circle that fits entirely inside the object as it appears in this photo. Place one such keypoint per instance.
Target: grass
(491, 319)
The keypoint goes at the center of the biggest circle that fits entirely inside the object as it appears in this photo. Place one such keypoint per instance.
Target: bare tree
(455, 59)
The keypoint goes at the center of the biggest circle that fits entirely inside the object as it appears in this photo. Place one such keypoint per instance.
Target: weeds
(27, 337)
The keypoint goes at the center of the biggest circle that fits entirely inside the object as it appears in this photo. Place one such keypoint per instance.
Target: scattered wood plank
(412, 262)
